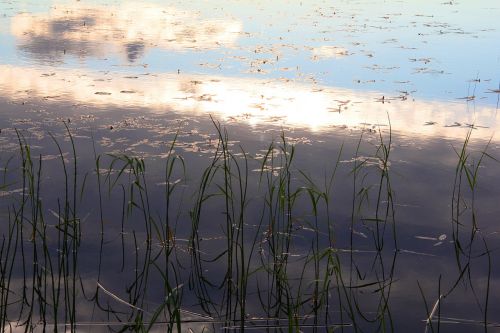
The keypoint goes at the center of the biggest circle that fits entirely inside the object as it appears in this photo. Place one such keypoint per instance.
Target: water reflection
(253, 101)
(130, 28)
(421, 261)
(358, 45)
(326, 51)
(421, 170)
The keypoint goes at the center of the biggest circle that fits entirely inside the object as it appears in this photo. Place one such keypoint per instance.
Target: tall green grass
(231, 249)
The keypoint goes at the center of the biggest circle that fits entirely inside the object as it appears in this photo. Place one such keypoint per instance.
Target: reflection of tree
(96, 30)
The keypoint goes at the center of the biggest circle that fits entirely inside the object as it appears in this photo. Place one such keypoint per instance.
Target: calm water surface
(416, 232)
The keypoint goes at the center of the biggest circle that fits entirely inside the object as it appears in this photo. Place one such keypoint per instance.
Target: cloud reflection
(253, 101)
(327, 51)
(130, 28)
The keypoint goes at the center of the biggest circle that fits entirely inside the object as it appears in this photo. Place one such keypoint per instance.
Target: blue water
(384, 44)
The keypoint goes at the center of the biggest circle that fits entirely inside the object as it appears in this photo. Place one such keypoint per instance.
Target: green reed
(177, 271)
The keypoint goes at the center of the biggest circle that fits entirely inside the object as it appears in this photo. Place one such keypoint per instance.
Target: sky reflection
(128, 29)
(137, 73)
(435, 50)
(254, 101)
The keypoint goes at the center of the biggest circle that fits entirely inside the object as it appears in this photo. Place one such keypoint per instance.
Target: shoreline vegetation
(250, 244)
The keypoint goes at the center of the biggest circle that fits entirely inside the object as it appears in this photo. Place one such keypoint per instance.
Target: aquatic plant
(228, 248)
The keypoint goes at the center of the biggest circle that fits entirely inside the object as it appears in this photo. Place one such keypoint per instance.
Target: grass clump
(232, 248)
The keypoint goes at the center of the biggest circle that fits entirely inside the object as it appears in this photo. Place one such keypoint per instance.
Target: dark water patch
(371, 259)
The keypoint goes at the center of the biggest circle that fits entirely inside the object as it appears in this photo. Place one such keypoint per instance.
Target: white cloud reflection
(253, 101)
(328, 51)
(130, 28)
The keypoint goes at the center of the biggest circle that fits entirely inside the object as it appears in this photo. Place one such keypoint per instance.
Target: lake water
(356, 190)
